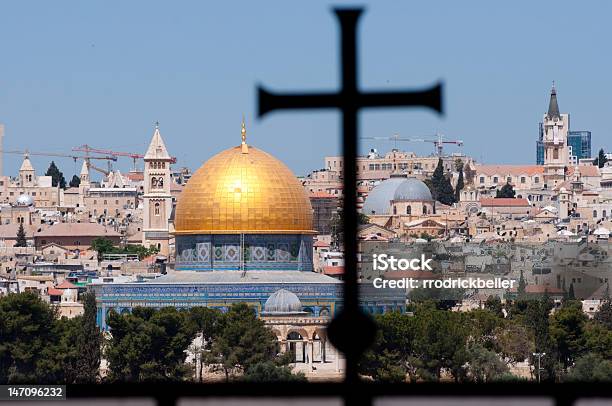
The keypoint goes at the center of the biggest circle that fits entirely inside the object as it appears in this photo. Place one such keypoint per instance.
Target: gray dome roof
(283, 302)
(379, 198)
(25, 200)
(412, 189)
(394, 188)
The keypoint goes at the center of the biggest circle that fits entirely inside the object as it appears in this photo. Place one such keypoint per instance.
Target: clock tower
(157, 200)
(556, 152)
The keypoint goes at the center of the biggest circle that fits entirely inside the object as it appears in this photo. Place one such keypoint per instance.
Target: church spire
(553, 106)
(157, 148)
(26, 165)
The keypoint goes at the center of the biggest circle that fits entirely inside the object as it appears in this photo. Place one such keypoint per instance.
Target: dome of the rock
(243, 210)
(243, 190)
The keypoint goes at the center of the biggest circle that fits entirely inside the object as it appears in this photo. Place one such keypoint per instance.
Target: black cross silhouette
(349, 100)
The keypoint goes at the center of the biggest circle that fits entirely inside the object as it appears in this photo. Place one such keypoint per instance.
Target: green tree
(440, 185)
(27, 335)
(484, 364)
(506, 191)
(460, 182)
(534, 315)
(494, 305)
(522, 285)
(57, 177)
(598, 339)
(567, 331)
(75, 181)
(102, 246)
(88, 343)
(244, 341)
(269, 371)
(604, 314)
(207, 323)
(21, 237)
(440, 342)
(601, 159)
(591, 368)
(571, 295)
(148, 345)
(390, 357)
(513, 341)
(482, 325)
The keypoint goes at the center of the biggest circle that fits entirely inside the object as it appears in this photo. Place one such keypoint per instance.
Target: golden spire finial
(243, 131)
(245, 147)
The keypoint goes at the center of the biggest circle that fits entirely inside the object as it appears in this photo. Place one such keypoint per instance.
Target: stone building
(39, 188)
(157, 198)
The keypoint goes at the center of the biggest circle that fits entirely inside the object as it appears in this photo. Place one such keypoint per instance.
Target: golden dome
(243, 190)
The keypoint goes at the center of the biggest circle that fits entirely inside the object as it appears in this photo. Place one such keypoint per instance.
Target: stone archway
(296, 344)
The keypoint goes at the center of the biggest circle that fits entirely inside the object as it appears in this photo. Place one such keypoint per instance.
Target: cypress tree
(57, 177)
(442, 188)
(571, 295)
(21, 237)
(89, 343)
(460, 182)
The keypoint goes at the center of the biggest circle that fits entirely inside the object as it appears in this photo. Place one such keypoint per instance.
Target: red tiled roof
(55, 292)
(514, 170)
(66, 285)
(319, 244)
(333, 270)
(585, 170)
(504, 202)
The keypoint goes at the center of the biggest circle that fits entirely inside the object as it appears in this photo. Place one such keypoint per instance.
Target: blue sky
(102, 73)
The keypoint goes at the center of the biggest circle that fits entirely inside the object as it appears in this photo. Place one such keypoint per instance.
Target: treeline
(147, 345)
(430, 344)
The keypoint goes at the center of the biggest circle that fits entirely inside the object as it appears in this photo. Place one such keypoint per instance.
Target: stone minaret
(157, 200)
(556, 152)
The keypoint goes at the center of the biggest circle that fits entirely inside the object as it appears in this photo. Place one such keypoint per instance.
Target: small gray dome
(283, 302)
(412, 189)
(25, 200)
(379, 198)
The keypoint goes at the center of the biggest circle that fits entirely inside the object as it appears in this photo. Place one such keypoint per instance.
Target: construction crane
(438, 142)
(72, 156)
(87, 149)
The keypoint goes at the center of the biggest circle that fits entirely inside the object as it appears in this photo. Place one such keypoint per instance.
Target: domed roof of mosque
(379, 199)
(396, 187)
(283, 302)
(412, 189)
(243, 190)
(25, 200)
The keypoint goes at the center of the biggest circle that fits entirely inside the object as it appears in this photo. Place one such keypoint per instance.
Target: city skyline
(106, 87)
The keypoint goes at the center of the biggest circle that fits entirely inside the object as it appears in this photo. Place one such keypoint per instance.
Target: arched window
(153, 182)
(394, 209)
(603, 214)
(160, 182)
(408, 209)
(157, 209)
(424, 209)
(594, 213)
